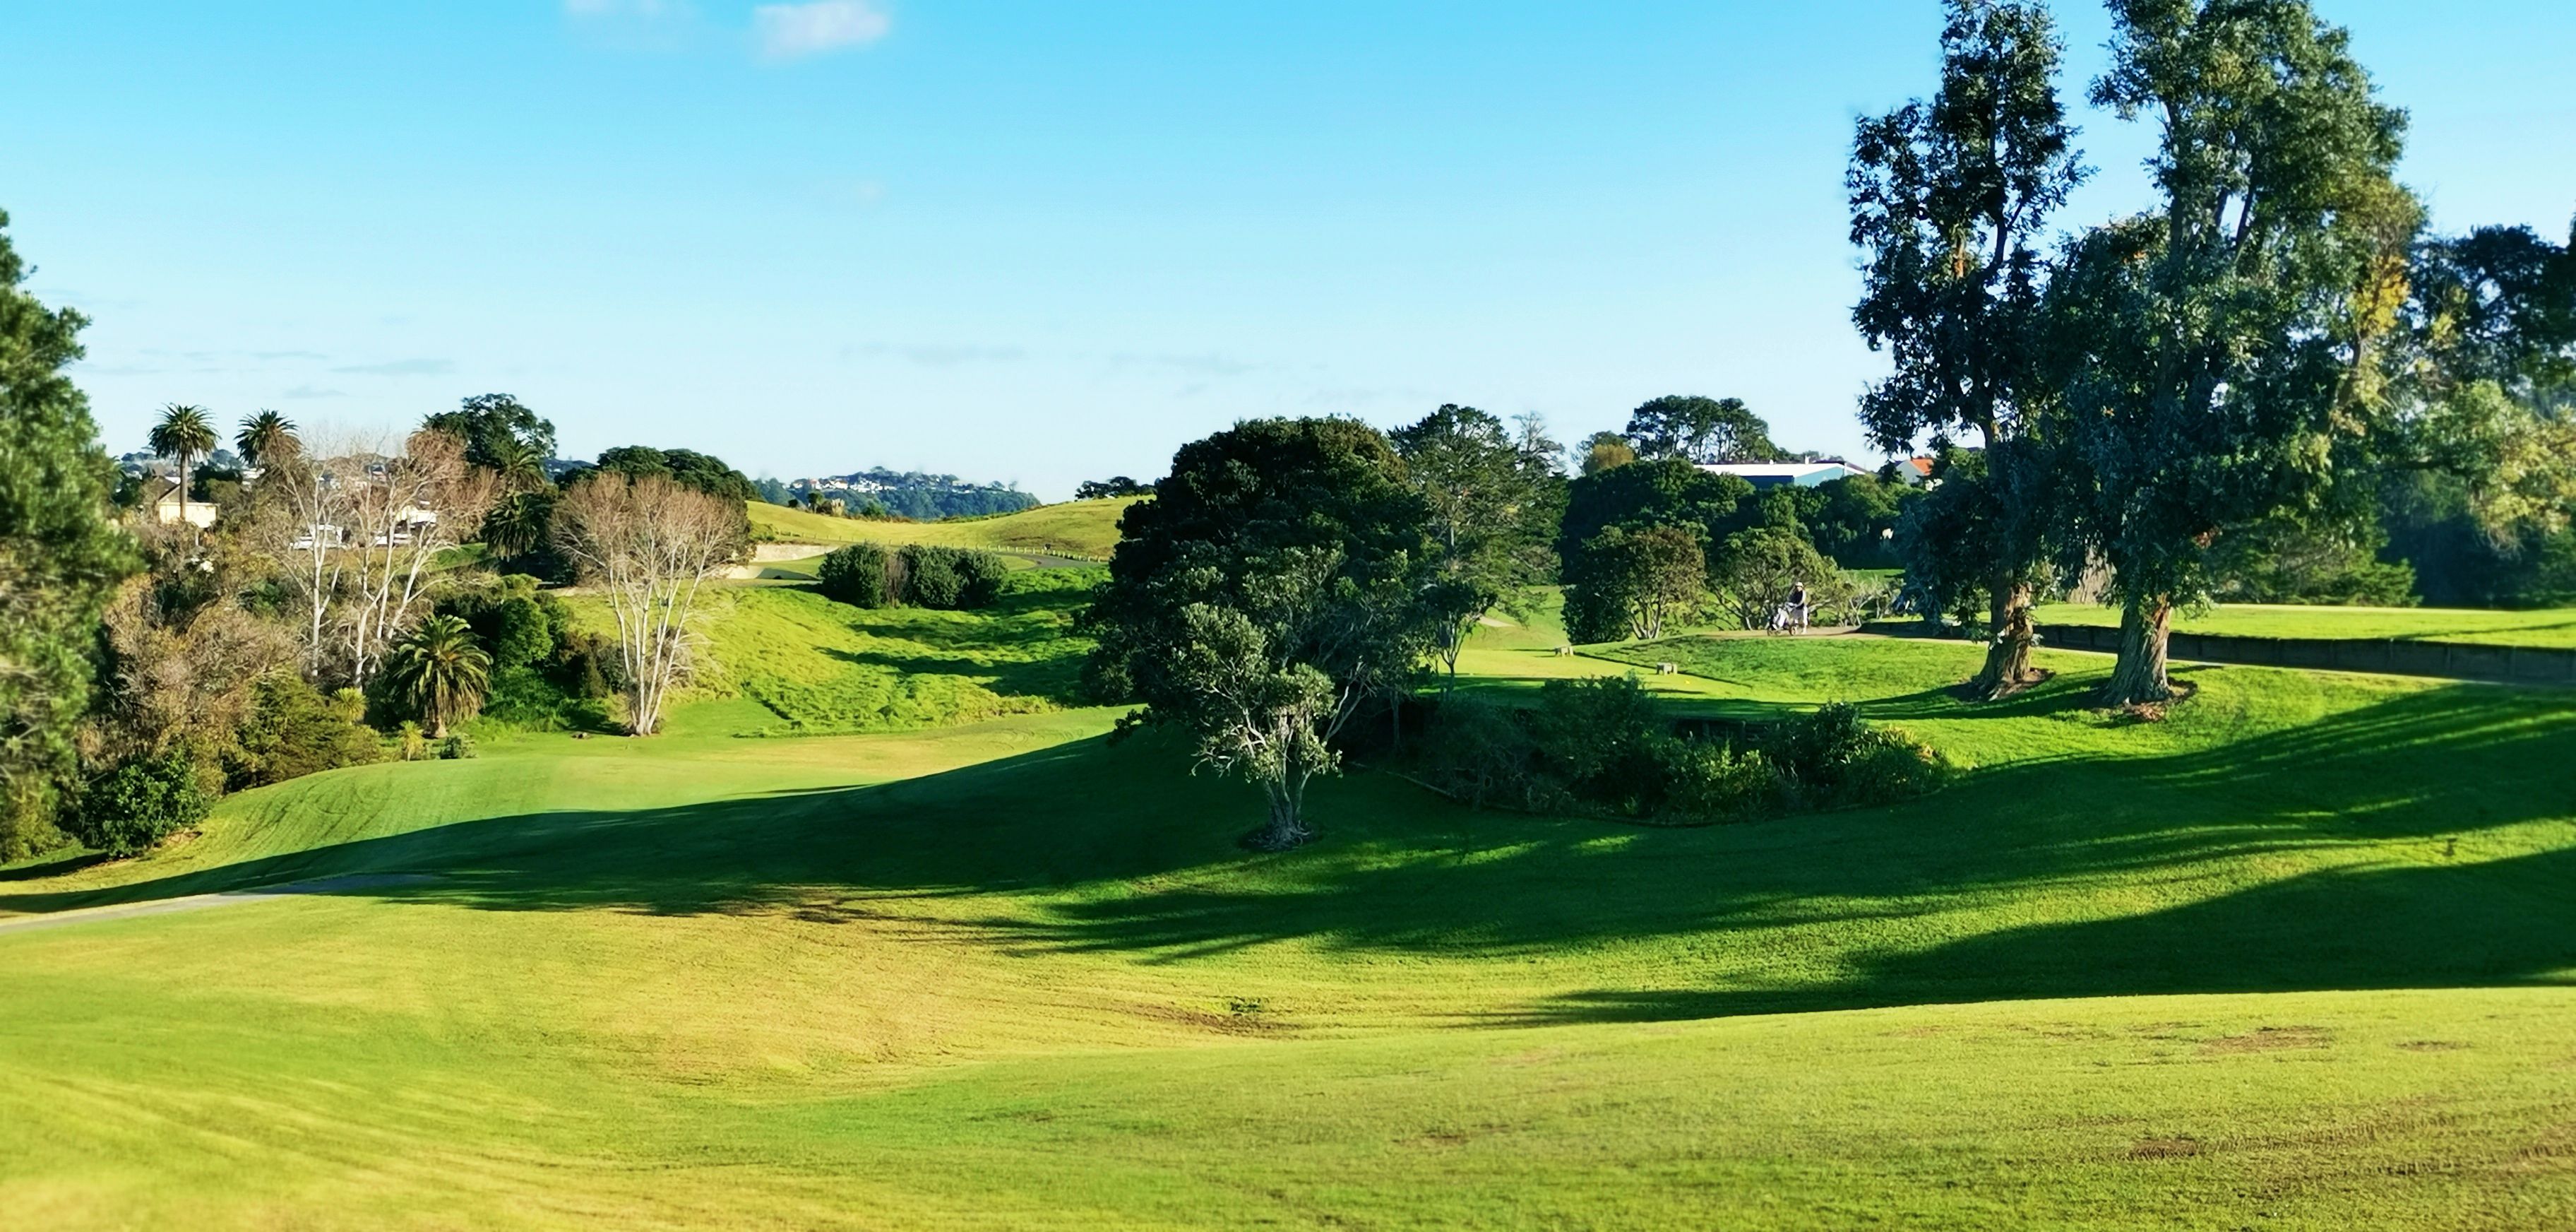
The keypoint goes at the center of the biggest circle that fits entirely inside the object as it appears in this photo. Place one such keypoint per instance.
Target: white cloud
(787, 31)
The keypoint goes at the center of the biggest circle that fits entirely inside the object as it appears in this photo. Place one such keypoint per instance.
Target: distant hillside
(907, 494)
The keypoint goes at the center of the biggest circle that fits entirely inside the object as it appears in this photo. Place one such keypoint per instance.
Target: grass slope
(2297, 956)
(2546, 627)
(1080, 529)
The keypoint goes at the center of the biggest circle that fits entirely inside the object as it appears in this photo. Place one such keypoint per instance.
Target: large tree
(1488, 495)
(496, 429)
(60, 556)
(1951, 201)
(266, 438)
(1697, 429)
(1599, 572)
(2212, 346)
(1272, 585)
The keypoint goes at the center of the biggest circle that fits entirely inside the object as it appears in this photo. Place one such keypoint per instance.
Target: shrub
(858, 575)
(1834, 759)
(411, 743)
(141, 802)
(292, 731)
(951, 579)
(1599, 747)
(456, 748)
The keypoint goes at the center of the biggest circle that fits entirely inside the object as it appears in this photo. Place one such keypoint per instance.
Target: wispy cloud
(403, 367)
(938, 354)
(793, 31)
(308, 391)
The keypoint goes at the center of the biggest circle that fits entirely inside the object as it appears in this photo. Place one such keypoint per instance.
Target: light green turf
(2296, 957)
(2545, 627)
(1084, 530)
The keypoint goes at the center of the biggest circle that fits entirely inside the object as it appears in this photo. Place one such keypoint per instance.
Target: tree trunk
(2139, 678)
(2008, 657)
(1287, 827)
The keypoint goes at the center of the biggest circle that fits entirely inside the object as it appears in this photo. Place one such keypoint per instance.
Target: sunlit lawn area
(2543, 627)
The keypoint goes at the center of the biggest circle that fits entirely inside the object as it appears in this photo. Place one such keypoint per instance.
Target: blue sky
(1037, 242)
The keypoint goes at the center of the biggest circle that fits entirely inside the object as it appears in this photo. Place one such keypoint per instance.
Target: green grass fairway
(2546, 627)
(2297, 957)
(1084, 530)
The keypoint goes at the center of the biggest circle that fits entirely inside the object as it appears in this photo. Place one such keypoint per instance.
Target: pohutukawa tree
(650, 545)
(1272, 585)
(183, 435)
(2210, 346)
(1951, 201)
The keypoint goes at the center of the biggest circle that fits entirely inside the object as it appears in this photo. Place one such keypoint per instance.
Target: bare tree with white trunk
(650, 545)
(362, 525)
(403, 511)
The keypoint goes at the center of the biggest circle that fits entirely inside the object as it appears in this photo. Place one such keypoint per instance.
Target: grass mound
(1083, 530)
(820, 666)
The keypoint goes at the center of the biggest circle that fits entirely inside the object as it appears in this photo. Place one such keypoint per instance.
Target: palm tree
(183, 434)
(266, 438)
(442, 671)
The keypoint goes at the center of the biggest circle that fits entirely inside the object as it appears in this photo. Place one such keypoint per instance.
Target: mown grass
(2297, 956)
(2544, 627)
(1084, 530)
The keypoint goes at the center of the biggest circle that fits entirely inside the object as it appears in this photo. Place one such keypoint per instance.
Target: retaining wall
(2388, 656)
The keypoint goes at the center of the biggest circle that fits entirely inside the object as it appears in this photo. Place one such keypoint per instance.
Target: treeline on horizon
(917, 496)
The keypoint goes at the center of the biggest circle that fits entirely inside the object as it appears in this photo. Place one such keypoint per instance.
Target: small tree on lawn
(1754, 571)
(441, 671)
(1272, 585)
(1646, 576)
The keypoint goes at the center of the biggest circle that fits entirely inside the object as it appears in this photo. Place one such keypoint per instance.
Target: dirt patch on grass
(1237, 1022)
(2431, 1045)
(2164, 1148)
(2268, 1039)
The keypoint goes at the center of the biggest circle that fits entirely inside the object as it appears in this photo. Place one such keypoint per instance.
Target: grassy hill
(2544, 627)
(1084, 530)
(2297, 956)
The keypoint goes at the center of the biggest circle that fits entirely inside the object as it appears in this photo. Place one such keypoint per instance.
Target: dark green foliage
(499, 432)
(1601, 747)
(1666, 492)
(2209, 349)
(686, 467)
(292, 731)
(2286, 560)
(949, 579)
(918, 497)
(60, 557)
(456, 748)
(1116, 485)
(1626, 583)
(1495, 504)
(1950, 200)
(545, 673)
(859, 575)
(1696, 429)
(443, 672)
(1272, 586)
(1756, 570)
(134, 806)
(1851, 520)
(1832, 759)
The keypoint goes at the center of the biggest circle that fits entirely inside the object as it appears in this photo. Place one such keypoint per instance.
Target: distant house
(1784, 474)
(1916, 471)
(166, 508)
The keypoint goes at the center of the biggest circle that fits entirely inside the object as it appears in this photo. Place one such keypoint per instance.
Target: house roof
(1778, 470)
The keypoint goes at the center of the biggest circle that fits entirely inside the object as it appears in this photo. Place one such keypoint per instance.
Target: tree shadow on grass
(2310, 857)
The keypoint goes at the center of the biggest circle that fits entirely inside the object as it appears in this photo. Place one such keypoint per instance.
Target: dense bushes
(861, 575)
(291, 731)
(139, 803)
(545, 675)
(1600, 747)
(916, 575)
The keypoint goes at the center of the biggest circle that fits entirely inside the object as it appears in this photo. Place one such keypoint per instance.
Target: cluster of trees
(1114, 486)
(321, 620)
(2224, 389)
(913, 575)
(899, 495)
